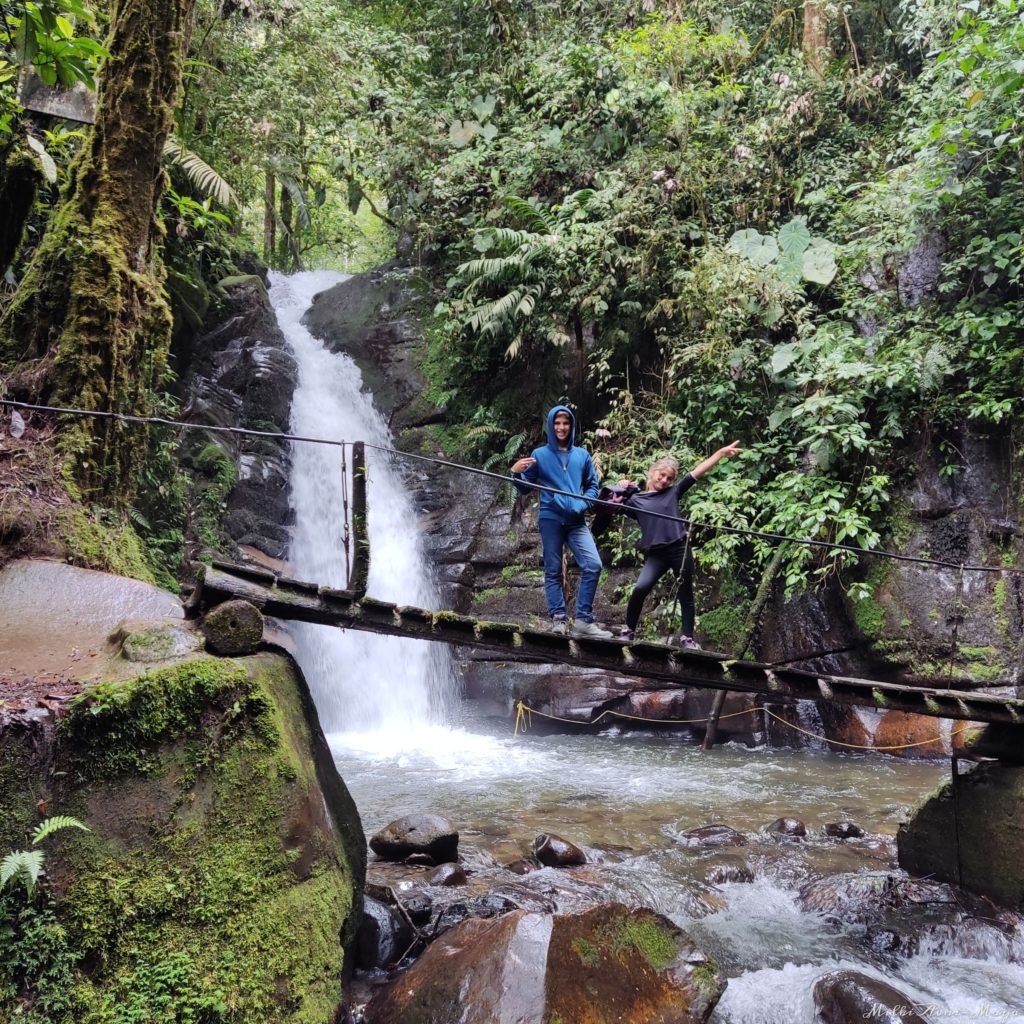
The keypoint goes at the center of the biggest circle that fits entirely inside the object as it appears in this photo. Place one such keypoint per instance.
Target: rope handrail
(505, 478)
(524, 712)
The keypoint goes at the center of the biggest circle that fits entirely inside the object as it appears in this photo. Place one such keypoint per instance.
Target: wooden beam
(665, 667)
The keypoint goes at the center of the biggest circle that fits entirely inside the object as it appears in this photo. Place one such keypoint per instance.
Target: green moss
(586, 951)
(216, 891)
(869, 613)
(724, 627)
(657, 944)
(490, 593)
(705, 978)
(101, 539)
(121, 726)
(1000, 608)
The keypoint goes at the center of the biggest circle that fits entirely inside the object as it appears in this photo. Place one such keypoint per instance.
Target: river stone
(418, 906)
(555, 852)
(849, 997)
(233, 628)
(160, 643)
(710, 836)
(609, 965)
(421, 860)
(417, 833)
(523, 866)
(729, 869)
(384, 936)
(792, 828)
(448, 875)
(843, 830)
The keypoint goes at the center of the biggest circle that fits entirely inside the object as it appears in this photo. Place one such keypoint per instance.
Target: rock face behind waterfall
(240, 373)
(609, 965)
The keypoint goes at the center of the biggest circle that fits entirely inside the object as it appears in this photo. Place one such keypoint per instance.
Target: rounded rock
(448, 875)
(428, 834)
(233, 628)
(843, 830)
(555, 852)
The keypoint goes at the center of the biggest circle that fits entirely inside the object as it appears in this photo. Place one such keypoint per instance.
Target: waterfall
(370, 690)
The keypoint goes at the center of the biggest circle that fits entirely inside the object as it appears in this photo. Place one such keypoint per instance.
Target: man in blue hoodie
(563, 465)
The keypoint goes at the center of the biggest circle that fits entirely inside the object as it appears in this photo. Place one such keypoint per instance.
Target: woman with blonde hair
(665, 541)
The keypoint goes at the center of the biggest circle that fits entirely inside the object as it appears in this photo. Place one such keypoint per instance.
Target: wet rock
(728, 869)
(843, 830)
(160, 643)
(555, 852)
(419, 907)
(710, 836)
(523, 866)
(919, 274)
(240, 373)
(610, 965)
(417, 833)
(233, 628)
(791, 828)
(384, 936)
(847, 893)
(420, 860)
(972, 836)
(849, 997)
(448, 875)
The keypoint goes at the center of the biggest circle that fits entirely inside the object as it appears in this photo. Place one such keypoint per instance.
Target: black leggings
(657, 561)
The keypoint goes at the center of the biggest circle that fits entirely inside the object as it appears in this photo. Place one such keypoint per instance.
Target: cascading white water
(374, 687)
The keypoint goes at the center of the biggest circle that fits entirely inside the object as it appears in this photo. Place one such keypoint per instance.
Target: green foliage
(26, 866)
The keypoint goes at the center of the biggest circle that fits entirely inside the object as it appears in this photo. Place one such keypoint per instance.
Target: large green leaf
(462, 133)
(758, 248)
(794, 237)
(819, 263)
(483, 106)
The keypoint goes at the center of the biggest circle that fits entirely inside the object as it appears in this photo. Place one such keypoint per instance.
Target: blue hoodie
(568, 470)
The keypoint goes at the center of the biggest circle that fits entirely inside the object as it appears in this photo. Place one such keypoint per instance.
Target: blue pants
(554, 536)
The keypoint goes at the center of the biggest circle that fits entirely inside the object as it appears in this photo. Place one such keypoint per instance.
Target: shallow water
(624, 798)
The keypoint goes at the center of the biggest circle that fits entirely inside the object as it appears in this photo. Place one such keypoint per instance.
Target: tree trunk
(269, 215)
(92, 300)
(815, 41)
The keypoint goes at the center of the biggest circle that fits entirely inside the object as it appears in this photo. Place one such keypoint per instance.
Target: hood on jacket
(553, 412)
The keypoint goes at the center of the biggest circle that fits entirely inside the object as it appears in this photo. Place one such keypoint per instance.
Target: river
(405, 743)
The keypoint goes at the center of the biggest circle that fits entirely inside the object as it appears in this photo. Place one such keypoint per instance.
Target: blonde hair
(664, 463)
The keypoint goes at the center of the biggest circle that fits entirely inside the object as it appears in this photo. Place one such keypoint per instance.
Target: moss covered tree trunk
(92, 304)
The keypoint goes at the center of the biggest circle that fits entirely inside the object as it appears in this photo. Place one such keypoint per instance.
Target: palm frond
(200, 173)
(298, 194)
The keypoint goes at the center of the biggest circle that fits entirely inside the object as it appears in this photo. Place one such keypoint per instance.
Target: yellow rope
(524, 713)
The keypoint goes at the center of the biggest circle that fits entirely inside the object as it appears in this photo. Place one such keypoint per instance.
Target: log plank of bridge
(666, 667)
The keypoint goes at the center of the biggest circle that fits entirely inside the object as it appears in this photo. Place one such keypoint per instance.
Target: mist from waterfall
(374, 691)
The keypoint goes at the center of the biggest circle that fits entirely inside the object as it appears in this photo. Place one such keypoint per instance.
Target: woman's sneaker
(688, 643)
(627, 635)
(589, 629)
(559, 624)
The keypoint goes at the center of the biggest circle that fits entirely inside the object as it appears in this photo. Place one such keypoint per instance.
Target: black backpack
(603, 516)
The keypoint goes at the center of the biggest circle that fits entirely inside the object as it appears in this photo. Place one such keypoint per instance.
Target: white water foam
(378, 692)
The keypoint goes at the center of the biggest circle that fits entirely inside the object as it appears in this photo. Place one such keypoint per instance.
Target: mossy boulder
(609, 965)
(160, 643)
(234, 627)
(970, 832)
(222, 877)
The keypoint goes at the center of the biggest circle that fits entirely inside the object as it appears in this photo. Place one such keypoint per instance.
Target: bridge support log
(663, 666)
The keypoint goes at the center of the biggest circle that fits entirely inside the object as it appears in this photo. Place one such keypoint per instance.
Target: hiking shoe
(627, 635)
(688, 643)
(559, 624)
(589, 629)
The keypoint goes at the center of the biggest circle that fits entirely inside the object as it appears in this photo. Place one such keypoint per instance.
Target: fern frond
(26, 865)
(55, 824)
(200, 173)
(529, 214)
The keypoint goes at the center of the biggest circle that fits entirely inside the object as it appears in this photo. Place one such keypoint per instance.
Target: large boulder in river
(849, 997)
(609, 965)
(970, 832)
(428, 834)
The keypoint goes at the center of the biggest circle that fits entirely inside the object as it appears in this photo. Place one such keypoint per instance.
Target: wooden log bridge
(666, 666)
